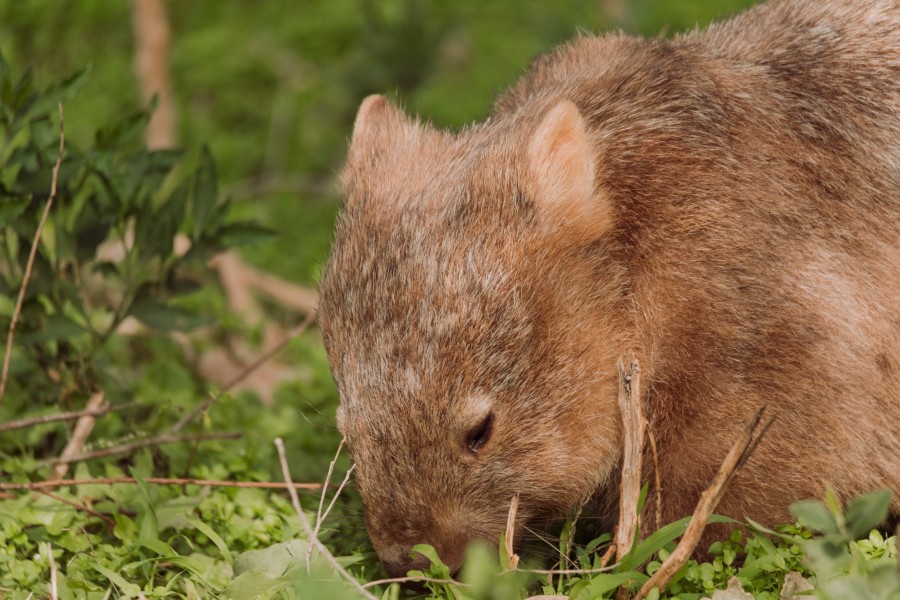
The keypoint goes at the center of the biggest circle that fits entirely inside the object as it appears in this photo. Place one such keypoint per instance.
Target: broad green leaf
(59, 91)
(867, 512)
(126, 130)
(814, 515)
(129, 590)
(603, 583)
(214, 537)
(242, 233)
(273, 560)
(662, 536)
(165, 317)
(147, 521)
(11, 207)
(56, 327)
(205, 192)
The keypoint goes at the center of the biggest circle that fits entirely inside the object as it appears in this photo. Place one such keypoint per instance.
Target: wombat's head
(470, 312)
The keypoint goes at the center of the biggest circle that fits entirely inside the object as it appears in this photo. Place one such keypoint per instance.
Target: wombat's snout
(399, 558)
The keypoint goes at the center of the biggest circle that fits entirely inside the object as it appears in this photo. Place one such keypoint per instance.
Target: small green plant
(108, 250)
(849, 559)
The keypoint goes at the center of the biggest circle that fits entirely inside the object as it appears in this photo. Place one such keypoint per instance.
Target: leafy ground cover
(109, 254)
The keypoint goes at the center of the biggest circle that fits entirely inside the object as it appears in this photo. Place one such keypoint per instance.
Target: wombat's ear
(377, 124)
(561, 166)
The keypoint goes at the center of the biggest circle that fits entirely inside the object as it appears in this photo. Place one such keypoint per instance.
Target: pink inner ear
(562, 171)
(560, 160)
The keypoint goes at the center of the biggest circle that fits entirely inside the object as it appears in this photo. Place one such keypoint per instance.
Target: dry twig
(511, 556)
(710, 498)
(65, 416)
(326, 553)
(80, 434)
(54, 592)
(77, 506)
(271, 485)
(369, 584)
(633, 428)
(33, 253)
(152, 40)
(334, 499)
(309, 549)
(166, 438)
(293, 334)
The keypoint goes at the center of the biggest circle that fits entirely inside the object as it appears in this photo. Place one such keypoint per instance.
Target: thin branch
(54, 592)
(83, 428)
(565, 571)
(270, 485)
(295, 500)
(511, 556)
(633, 429)
(710, 498)
(65, 416)
(32, 254)
(157, 440)
(412, 580)
(77, 506)
(334, 498)
(309, 548)
(200, 409)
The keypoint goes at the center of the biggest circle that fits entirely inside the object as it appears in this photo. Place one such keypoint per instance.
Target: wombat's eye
(480, 434)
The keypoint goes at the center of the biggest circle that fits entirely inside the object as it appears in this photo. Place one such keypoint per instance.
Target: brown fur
(739, 230)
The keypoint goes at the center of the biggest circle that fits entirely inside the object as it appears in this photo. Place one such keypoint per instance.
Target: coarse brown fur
(726, 204)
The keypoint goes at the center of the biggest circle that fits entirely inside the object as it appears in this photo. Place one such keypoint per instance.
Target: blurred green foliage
(272, 86)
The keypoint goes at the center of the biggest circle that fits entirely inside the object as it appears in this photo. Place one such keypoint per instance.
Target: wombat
(724, 204)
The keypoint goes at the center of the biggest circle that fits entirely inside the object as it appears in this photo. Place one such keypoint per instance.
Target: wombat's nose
(398, 562)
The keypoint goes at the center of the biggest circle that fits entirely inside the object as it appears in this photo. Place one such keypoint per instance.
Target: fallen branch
(17, 311)
(157, 440)
(77, 506)
(511, 556)
(633, 431)
(293, 334)
(309, 549)
(65, 416)
(710, 498)
(295, 500)
(54, 593)
(565, 571)
(80, 434)
(270, 485)
(369, 584)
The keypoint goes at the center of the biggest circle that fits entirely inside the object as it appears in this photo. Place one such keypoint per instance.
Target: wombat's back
(726, 204)
(754, 169)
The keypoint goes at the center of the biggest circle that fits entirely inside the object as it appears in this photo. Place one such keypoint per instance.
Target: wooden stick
(294, 333)
(65, 416)
(633, 430)
(510, 532)
(710, 498)
(77, 506)
(336, 494)
(17, 311)
(54, 592)
(309, 548)
(269, 485)
(157, 440)
(369, 584)
(326, 553)
(83, 428)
